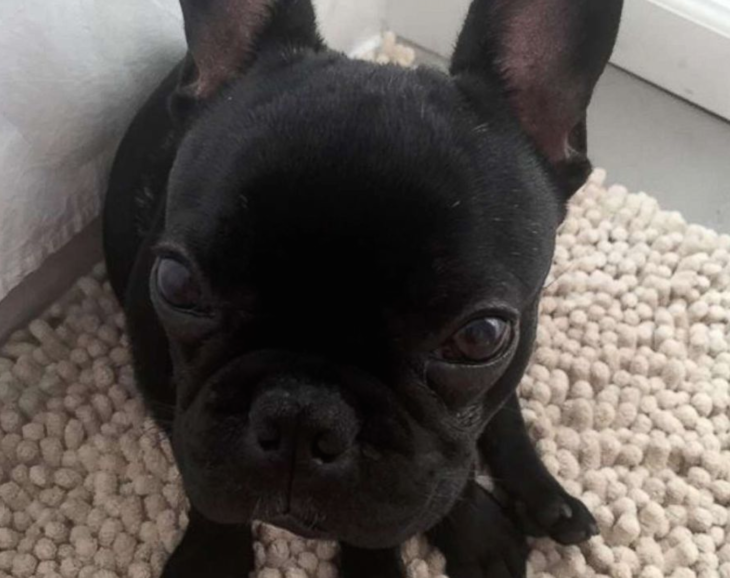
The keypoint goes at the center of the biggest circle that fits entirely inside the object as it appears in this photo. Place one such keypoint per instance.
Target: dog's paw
(480, 538)
(558, 515)
(507, 559)
(490, 569)
(211, 550)
(232, 562)
(358, 563)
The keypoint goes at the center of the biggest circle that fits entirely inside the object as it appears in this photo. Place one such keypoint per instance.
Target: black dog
(331, 272)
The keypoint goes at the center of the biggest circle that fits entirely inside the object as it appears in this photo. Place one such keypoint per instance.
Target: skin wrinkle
(348, 228)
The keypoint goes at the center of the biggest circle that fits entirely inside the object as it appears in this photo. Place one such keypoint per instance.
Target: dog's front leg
(479, 540)
(359, 563)
(545, 507)
(210, 550)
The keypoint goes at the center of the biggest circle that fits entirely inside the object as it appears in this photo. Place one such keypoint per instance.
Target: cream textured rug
(628, 399)
(627, 396)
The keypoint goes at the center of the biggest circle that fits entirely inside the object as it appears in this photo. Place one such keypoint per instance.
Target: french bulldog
(331, 272)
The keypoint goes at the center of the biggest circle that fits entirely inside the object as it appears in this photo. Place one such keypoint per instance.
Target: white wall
(682, 46)
(349, 23)
(72, 74)
(432, 24)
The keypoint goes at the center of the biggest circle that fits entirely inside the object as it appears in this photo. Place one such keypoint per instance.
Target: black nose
(302, 425)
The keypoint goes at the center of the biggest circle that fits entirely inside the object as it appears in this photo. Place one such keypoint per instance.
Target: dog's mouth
(303, 519)
(233, 506)
(222, 500)
(301, 526)
(317, 519)
(363, 500)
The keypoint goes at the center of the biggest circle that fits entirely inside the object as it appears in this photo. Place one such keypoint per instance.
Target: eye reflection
(479, 341)
(177, 284)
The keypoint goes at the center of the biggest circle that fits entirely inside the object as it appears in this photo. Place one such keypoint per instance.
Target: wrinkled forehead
(380, 191)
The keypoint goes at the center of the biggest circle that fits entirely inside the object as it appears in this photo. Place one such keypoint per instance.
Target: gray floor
(654, 142)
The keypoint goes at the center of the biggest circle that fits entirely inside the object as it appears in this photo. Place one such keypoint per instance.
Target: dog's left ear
(548, 55)
(225, 37)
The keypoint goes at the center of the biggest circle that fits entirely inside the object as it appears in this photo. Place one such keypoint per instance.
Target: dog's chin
(227, 512)
(305, 518)
(353, 534)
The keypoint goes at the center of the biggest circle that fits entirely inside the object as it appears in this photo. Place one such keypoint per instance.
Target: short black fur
(356, 254)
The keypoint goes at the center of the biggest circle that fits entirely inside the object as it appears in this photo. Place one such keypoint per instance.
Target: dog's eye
(177, 285)
(478, 342)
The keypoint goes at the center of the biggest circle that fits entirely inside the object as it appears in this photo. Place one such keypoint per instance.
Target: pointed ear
(226, 36)
(549, 55)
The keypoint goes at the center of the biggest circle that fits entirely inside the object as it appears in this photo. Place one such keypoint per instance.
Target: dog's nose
(303, 426)
(280, 439)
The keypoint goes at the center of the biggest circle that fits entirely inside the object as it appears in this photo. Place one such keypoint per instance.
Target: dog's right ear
(225, 37)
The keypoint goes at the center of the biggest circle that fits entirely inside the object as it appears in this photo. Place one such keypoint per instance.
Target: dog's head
(352, 255)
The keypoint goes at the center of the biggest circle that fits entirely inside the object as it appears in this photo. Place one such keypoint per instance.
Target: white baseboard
(683, 46)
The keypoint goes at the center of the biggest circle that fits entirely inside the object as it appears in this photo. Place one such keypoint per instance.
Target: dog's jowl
(331, 271)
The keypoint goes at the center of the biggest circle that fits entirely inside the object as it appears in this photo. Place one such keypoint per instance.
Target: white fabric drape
(72, 74)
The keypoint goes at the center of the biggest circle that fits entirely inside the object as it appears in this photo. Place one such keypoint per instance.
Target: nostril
(269, 438)
(327, 447)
